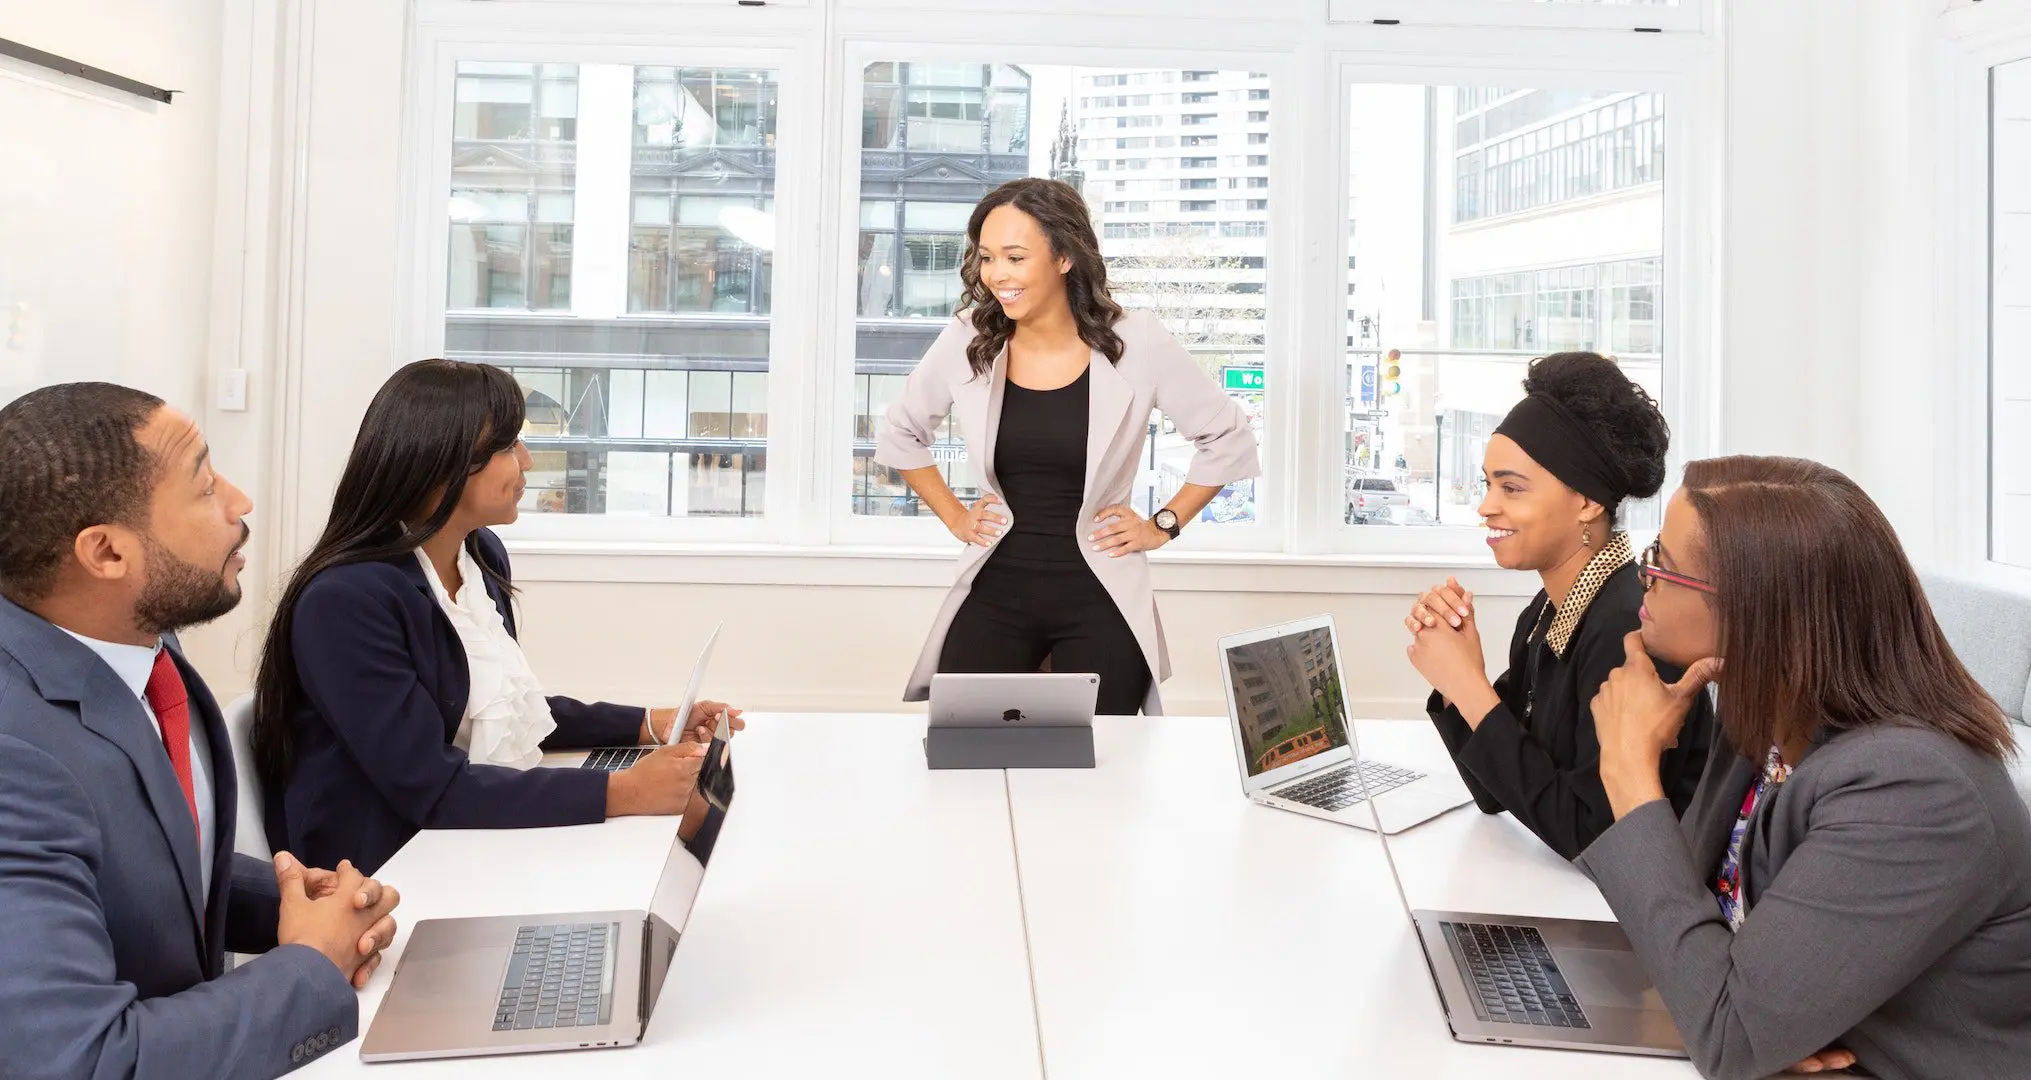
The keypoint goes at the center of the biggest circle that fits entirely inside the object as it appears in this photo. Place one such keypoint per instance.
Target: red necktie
(171, 703)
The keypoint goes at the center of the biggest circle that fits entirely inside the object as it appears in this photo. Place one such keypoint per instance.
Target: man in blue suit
(119, 889)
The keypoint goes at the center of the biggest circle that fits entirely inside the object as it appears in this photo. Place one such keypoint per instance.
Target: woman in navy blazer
(365, 703)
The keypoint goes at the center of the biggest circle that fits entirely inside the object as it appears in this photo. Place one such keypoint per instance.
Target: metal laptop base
(1012, 747)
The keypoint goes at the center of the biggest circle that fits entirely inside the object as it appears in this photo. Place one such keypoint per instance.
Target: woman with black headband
(1558, 469)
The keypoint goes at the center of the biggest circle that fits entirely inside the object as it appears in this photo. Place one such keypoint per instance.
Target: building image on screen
(1288, 698)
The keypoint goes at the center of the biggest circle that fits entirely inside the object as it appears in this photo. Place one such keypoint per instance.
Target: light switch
(232, 390)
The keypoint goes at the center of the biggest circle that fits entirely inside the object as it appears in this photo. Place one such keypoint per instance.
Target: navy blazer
(111, 963)
(384, 691)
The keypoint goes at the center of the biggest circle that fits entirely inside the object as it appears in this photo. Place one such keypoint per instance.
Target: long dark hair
(1061, 213)
(432, 425)
(1822, 618)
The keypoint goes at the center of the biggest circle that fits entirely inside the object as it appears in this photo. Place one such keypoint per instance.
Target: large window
(645, 359)
(2010, 313)
(711, 291)
(1445, 312)
(937, 137)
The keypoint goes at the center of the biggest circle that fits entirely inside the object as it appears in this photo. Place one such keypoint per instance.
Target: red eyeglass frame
(1648, 569)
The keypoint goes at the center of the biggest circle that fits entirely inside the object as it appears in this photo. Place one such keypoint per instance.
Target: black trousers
(1015, 616)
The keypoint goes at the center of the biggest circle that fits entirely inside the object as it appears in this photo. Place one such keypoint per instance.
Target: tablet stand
(1017, 746)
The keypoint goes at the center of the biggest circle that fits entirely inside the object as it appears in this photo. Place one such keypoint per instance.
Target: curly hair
(1060, 212)
(1623, 415)
(73, 461)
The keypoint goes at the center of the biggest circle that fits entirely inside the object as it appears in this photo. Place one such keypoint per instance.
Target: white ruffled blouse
(506, 715)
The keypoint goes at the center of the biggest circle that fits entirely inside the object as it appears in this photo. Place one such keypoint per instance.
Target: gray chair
(250, 834)
(1990, 628)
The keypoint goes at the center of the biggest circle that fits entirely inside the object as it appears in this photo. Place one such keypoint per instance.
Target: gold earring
(1586, 536)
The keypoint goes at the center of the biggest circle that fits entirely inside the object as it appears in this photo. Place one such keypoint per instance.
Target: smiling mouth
(1008, 296)
(1495, 534)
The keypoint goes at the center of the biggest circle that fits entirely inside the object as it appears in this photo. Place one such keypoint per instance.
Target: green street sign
(1242, 378)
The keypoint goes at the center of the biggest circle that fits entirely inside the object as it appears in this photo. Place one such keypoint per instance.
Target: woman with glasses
(1559, 467)
(1852, 881)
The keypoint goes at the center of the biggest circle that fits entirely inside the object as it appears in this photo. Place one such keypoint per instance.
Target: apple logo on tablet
(1012, 714)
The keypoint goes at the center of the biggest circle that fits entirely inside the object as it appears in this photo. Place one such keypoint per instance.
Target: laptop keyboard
(613, 758)
(560, 976)
(1513, 976)
(1339, 788)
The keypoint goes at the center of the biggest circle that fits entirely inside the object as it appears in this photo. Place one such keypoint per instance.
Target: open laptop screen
(1288, 701)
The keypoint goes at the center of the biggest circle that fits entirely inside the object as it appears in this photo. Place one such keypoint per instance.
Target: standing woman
(392, 695)
(1052, 386)
(1559, 467)
(1853, 879)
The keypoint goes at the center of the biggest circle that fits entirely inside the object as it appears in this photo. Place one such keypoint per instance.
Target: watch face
(1166, 519)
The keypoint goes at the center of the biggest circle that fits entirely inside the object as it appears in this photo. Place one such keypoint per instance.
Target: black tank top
(1040, 460)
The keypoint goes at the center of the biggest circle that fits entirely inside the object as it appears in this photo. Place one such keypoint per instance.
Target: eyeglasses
(1651, 570)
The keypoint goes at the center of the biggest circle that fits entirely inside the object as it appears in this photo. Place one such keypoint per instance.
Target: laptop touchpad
(1607, 977)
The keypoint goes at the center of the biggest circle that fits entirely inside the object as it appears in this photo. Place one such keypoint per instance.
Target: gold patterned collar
(1612, 557)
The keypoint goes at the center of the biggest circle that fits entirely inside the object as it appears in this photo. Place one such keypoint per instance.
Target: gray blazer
(1155, 372)
(1888, 885)
(111, 961)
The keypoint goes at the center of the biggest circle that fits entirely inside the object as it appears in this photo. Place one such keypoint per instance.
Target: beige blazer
(1154, 372)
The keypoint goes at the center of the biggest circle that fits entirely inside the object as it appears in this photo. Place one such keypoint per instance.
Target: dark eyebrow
(1508, 474)
(198, 466)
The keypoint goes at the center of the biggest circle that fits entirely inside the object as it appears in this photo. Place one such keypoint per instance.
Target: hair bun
(1623, 415)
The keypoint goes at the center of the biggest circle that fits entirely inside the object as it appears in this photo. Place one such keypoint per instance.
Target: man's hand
(1637, 716)
(658, 783)
(341, 913)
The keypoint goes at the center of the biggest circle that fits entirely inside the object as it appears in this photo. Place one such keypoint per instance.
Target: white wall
(106, 199)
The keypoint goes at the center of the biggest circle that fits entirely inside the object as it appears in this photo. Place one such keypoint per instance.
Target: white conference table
(861, 916)
(864, 915)
(1178, 930)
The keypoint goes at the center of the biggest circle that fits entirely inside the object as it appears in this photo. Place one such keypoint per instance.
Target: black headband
(1566, 448)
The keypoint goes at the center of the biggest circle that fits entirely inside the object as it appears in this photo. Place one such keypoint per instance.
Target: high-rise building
(1177, 171)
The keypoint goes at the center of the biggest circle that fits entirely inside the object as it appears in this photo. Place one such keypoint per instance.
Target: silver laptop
(1568, 984)
(616, 758)
(1038, 699)
(1287, 706)
(517, 984)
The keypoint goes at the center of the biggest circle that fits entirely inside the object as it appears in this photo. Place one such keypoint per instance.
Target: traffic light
(1389, 380)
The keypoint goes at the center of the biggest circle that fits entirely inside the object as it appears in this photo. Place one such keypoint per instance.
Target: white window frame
(1971, 41)
(821, 51)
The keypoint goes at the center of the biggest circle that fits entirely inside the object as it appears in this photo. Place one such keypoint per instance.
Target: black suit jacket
(1548, 772)
(385, 686)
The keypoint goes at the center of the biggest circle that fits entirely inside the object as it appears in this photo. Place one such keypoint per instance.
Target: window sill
(568, 561)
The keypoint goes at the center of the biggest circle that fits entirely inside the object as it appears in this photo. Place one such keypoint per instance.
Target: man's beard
(179, 594)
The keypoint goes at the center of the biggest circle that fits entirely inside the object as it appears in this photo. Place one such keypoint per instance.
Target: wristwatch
(1167, 520)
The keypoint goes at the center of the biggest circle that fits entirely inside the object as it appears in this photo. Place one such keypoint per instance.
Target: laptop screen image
(1288, 702)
